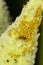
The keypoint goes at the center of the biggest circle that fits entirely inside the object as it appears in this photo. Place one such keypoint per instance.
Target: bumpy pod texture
(18, 44)
(4, 16)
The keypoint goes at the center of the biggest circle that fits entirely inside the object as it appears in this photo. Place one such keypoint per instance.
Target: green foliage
(4, 17)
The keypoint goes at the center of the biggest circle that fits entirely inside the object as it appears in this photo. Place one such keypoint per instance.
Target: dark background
(15, 7)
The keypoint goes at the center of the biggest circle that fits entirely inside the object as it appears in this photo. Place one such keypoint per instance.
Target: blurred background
(15, 8)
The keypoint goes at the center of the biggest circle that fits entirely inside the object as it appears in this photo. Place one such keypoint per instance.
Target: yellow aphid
(24, 51)
(39, 11)
(30, 49)
(9, 32)
(33, 42)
